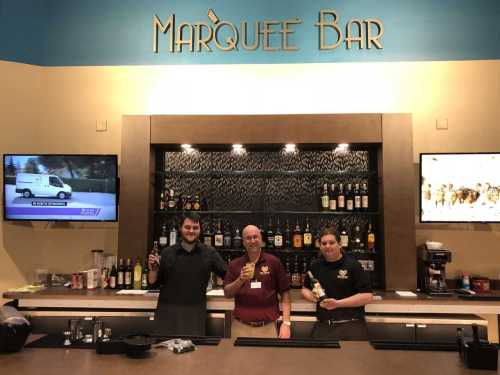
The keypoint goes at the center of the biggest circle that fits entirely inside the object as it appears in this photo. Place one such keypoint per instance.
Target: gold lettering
(180, 42)
(287, 31)
(374, 39)
(333, 24)
(266, 31)
(231, 42)
(244, 36)
(349, 38)
(200, 41)
(169, 26)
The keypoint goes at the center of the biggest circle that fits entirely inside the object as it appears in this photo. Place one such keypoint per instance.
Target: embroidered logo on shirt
(342, 275)
(264, 270)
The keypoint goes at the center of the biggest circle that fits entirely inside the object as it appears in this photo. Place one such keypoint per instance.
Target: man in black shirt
(347, 288)
(182, 274)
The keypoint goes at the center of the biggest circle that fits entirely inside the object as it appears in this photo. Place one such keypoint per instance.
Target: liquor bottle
(120, 281)
(188, 203)
(227, 238)
(278, 236)
(113, 278)
(163, 239)
(287, 236)
(341, 198)
(332, 204)
(203, 202)
(324, 198)
(180, 202)
(145, 275)
(155, 251)
(356, 243)
(349, 199)
(270, 235)
(288, 270)
(219, 237)
(237, 239)
(308, 237)
(317, 239)
(297, 237)
(172, 235)
(364, 197)
(171, 204)
(137, 274)
(316, 287)
(128, 274)
(296, 274)
(357, 198)
(344, 238)
(162, 201)
(262, 235)
(196, 202)
(304, 271)
(370, 239)
(207, 235)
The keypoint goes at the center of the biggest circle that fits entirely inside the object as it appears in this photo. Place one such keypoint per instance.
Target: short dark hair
(193, 216)
(328, 230)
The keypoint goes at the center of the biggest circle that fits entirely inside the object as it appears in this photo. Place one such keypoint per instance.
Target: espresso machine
(431, 264)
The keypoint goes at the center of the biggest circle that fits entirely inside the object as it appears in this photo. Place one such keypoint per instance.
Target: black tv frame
(117, 179)
(420, 187)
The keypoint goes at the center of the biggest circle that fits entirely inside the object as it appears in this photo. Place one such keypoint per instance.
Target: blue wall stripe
(119, 32)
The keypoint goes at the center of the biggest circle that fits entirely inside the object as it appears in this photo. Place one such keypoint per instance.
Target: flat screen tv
(460, 187)
(60, 187)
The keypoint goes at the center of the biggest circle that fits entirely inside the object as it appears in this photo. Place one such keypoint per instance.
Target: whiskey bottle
(332, 203)
(344, 238)
(287, 235)
(364, 197)
(297, 237)
(237, 241)
(356, 243)
(370, 239)
(296, 274)
(218, 237)
(162, 201)
(278, 236)
(196, 202)
(188, 203)
(357, 198)
(324, 198)
(308, 237)
(341, 198)
(304, 271)
(227, 238)
(163, 239)
(172, 236)
(270, 235)
(171, 205)
(207, 235)
(349, 198)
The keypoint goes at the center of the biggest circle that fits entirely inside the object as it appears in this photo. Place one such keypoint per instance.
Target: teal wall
(119, 32)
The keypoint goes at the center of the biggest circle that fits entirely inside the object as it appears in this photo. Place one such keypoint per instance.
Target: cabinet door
(444, 333)
(391, 332)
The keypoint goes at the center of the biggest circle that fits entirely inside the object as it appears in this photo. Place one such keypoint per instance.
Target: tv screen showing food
(460, 187)
(60, 187)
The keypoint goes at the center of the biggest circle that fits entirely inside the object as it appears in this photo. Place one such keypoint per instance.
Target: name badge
(255, 285)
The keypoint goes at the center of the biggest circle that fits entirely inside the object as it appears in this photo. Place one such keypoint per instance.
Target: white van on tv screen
(60, 187)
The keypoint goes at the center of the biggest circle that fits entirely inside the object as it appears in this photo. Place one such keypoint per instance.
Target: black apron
(182, 303)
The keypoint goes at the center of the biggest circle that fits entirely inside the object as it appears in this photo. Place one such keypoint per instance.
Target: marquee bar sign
(226, 36)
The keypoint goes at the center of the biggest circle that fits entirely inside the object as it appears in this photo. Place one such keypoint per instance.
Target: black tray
(390, 345)
(290, 343)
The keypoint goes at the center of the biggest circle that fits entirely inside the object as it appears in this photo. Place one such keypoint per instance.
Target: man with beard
(182, 274)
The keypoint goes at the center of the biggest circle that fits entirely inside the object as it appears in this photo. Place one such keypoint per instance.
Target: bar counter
(66, 299)
(225, 359)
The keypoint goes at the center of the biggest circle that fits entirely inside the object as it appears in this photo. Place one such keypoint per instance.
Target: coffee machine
(431, 265)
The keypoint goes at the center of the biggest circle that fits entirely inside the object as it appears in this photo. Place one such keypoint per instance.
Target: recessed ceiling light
(342, 147)
(290, 148)
(239, 149)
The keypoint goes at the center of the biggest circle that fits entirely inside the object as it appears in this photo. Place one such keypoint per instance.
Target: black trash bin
(14, 329)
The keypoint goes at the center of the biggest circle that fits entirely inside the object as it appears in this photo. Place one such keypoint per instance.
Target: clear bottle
(137, 274)
(173, 234)
(145, 276)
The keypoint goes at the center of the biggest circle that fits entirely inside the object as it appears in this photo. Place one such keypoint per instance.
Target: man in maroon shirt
(255, 280)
